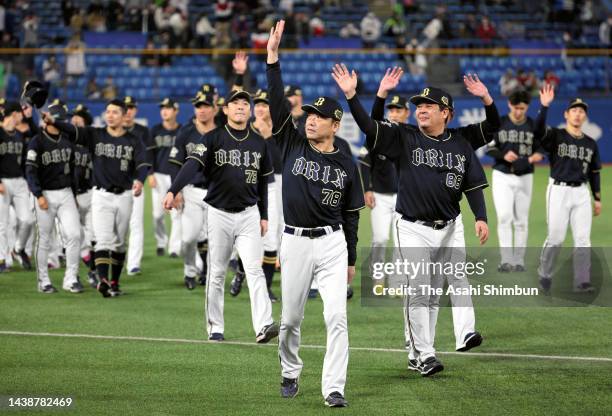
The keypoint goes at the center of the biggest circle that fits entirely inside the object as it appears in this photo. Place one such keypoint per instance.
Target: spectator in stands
(410, 6)
(181, 5)
(415, 58)
(446, 32)
(371, 29)
(148, 58)
(605, 32)
(92, 91)
(204, 32)
(75, 57)
(395, 25)
(528, 81)
(486, 30)
(178, 24)
(467, 27)
(96, 20)
(349, 31)
(30, 31)
(109, 92)
(241, 31)
(290, 35)
(164, 59)
(77, 21)
(303, 29)
(431, 32)
(317, 27)
(114, 12)
(51, 70)
(508, 83)
(161, 17)
(68, 10)
(550, 78)
(224, 10)
(586, 13)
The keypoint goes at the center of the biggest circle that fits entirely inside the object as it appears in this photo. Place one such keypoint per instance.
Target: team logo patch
(395, 100)
(199, 150)
(338, 114)
(444, 100)
(425, 92)
(173, 152)
(319, 101)
(32, 155)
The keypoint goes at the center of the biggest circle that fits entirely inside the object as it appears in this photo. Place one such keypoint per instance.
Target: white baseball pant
(324, 259)
(161, 237)
(111, 218)
(85, 218)
(194, 215)
(270, 240)
(568, 205)
(512, 198)
(225, 230)
(422, 243)
(17, 194)
(136, 225)
(63, 207)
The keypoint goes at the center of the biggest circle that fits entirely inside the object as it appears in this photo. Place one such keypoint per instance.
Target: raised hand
(240, 62)
(345, 80)
(276, 33)
(389, 81)
(547, 95)
(475, 86)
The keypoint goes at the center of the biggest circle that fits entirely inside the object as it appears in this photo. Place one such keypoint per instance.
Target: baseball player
(136, 241)
(322, 196)
(574, 161)
(163, 136)
(194, 211)
(515, 151)
(118, 157)
(49, 175)
(81, 117)
(235, 162)
(13, 186)
(436, 166)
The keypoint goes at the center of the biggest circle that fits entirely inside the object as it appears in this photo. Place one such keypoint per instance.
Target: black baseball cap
(326, 107)
(11, 107)
(433, 95)
(209, 89)
(130, 102)
(169, 103)
(397, 101)
(577, 102)
(261, 96)
(203, 98)
(58, 110)
(234, 95)
(82, 111)
(291, 90)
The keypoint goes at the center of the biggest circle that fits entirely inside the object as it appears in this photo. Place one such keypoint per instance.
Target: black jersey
(572, 159)
(49, 163)
(234, 162)
(117, 161)
(163, 139)
(522, 139)
(83, 167)
(378, 172)
(142, 133)
(12, 154)
(187, 138)
(317, 186)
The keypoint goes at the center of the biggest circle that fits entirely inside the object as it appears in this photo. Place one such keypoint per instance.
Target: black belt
(312, 232)
(571, 184)
(113, 189)
(232, 210)
(436, 225)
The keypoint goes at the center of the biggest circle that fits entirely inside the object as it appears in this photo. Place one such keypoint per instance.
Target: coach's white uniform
(62, 206)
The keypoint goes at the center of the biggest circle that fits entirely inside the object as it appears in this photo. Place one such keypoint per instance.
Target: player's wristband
(482, 219)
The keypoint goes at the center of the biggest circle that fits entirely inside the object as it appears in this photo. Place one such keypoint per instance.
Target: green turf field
(172, 370)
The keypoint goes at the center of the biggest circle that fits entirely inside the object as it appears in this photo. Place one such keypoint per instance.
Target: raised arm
(77, 135)
(389, 82)
(240, 64)
(482, 133)
(279, 107)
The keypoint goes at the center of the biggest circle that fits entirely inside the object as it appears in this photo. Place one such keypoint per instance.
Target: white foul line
(313, 347)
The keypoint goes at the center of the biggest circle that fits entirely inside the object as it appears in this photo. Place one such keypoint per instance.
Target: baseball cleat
(472, 340)
(173, 255)
(584, 288)
(160, 251)
(104, 287)
(414, 365)
(47, 289)
(23, 259)
(92, 278)
(236, 286)
(134, 271)
(272, 296)
(504, 268)
(190, 283)
(216, 336)
(233, 265)
(76, 287)
(202, 280)
(545, 284)
(349, 292)
(289, 388)
(114, 290)
(519, 268)
(312, 293)
(430, 367)
(336, 399)
(267, 333)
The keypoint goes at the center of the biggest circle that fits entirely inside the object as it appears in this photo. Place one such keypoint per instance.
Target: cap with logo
(326, 107)
(261, 96)
(291, 90)
(130, 102)
(203, 98)
(83, 112)
(397, 101)
(58, 110)
(169, 103)
(578, 102)
(236, 94)
(209, 89)
(34, 93)
(433, 95)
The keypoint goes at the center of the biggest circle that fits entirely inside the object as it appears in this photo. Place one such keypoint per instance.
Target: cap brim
(417, 99)
(260, 100)
(395, 106)
(309, 108)
(198, 102)
(240, 94)
(584, 106)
